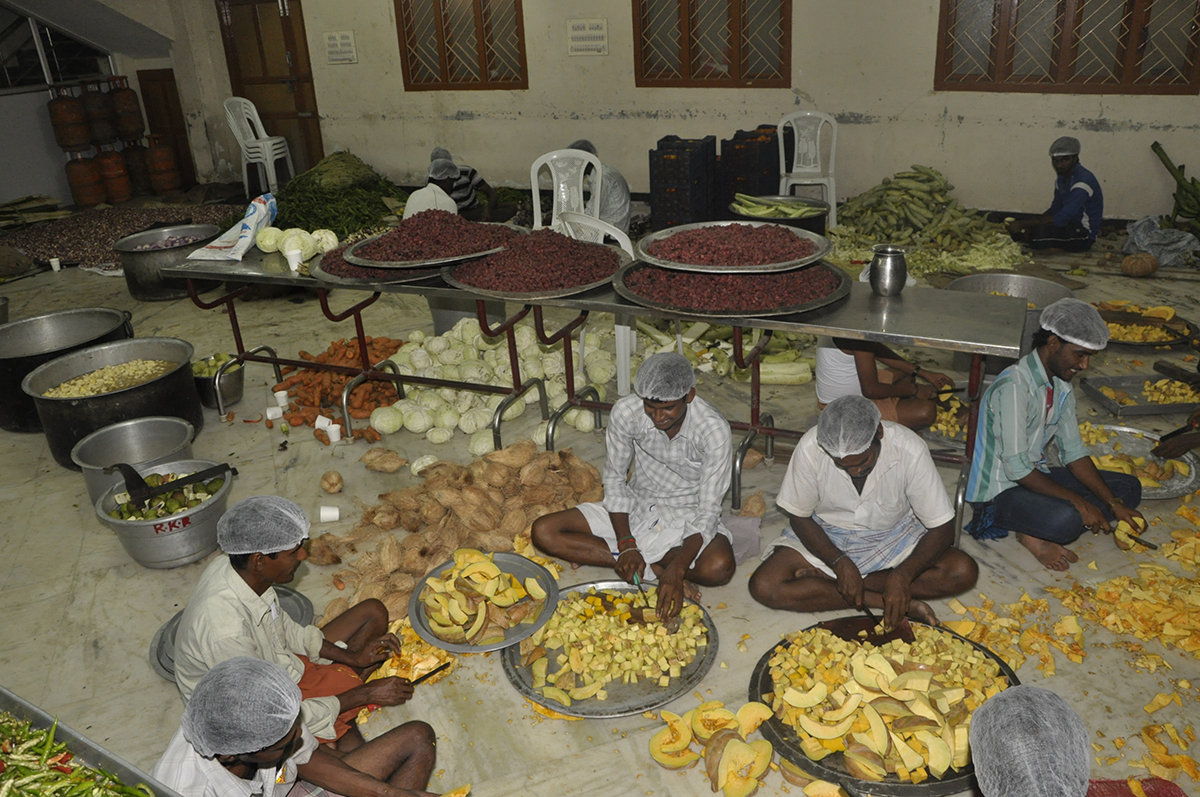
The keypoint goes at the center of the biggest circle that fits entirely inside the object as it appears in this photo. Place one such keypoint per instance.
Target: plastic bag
(1171, 247)
(237, 240)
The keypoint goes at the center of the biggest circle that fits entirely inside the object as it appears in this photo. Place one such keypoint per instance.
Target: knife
(432, 672)
(1187, 427)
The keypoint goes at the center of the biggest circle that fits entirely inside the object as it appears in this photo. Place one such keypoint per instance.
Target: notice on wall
(339, 47)
(587, 37)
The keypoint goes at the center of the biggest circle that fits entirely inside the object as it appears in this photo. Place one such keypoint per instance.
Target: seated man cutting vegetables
(1073, 220)
(242, 735)
(870, 522)
(235, 612)
(1011, 487)
(668, 515)
(851, 368)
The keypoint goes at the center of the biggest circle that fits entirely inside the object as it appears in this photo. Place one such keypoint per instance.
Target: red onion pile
(332, 263)
(434, 234)
(544, 260)
(733, 245)
(732, 292)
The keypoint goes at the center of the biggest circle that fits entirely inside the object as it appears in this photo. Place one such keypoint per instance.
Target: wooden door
(164, 117)
(267, 54)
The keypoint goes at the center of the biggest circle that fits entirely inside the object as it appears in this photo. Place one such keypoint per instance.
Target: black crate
(683, 161)
(672, 205)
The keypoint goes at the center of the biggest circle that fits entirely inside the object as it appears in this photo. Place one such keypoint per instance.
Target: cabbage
(482, 443)
(436, 346)
(268, 239)
(539, 434)
(475, 371)
(450, 372)
(526, 337)
(532, 368)
(431, 400)
(494, 401)
(298, 239)
(405, 370)
(600, 391)
(533, 395)
(468, 353)
(591, 341)
(472, 421)
(585, 421)
(570, 415)
(407, 405)
(555, 388)
(482, 342)
(448, 394)
(503, 374)
(553, 364)
(600, 369)
(432, 372)
(404, 356)
(387, 420)
(464, 401)
(446, 417)
(451, 356)
(419, 420)
(422, 463)
(466, 329)
(494, 356)
(514, 411)
(416, 336)
(327, 240)
(421, 359)
(439, 434)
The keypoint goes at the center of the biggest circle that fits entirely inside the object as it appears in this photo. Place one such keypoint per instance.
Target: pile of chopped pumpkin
(1020, 632)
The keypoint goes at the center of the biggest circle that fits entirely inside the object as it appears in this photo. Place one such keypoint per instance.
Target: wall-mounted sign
(339, 47)
(587, 37)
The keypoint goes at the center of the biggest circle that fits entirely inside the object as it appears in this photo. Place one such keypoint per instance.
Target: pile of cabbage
(310, 244)
(465, 354)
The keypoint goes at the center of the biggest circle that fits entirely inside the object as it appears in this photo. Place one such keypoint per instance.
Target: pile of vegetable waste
(709, 347)
(33, 763)
(341, 193)
(913, 209)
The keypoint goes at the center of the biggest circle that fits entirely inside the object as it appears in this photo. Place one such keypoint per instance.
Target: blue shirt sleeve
(1071, 211)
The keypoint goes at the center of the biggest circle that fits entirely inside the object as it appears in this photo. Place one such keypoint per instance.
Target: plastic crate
(683, 161)
(672, 205)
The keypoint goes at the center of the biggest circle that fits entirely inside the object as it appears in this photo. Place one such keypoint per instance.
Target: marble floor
(78, 615)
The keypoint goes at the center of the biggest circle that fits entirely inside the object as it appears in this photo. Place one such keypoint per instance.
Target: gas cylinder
(116, 177)
(69, 120)
(87, 184)
(130, 123)
(101, 116)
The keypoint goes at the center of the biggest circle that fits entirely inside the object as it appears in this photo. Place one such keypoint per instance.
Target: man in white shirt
(870, 522)
(614, 196)
(234, 611)
(668, 515)
(436, 193)
(241, 736)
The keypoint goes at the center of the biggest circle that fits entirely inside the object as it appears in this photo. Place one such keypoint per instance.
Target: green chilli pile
(33, 763)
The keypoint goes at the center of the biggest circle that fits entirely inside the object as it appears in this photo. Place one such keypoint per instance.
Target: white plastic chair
(808, 166)
(257, 147)
(567, 167)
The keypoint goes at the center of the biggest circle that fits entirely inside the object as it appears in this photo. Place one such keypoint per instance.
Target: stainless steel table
(978, 324)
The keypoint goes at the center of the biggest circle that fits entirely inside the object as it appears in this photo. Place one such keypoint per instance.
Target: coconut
(448, 497)
(388, 552)
(401, 582)
(383, 459)
(514, 522)
(408, 498)
(322, 551)
(498, 497)
(754, 506)
(517, 455)
(411, 521)
(335, 609)
(542, 494)
(535, 511)
(581, 481)
(397, 604)
(387, 517)
(592, 496)
(496, 474)
(532, 474)
(431, 510)
(370, 589)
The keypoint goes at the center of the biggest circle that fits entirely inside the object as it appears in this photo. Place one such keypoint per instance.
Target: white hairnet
(1066, 145)
(240, 706)
(262, 524)
(1027, 742)
(442, 169)
(1076, 322)
(847, 426)
(664, 377)
(584, 145)
(440, 153)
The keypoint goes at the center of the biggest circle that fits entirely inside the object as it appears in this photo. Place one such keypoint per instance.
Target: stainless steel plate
(786, 741)
(449, 271)
(1136, 446)
(510, 563)
(316, 272)
(839, 293)
(1184, 330)
(623, 699)
(162, 647)
(642, 249)
(431, 263)
(1133, 386)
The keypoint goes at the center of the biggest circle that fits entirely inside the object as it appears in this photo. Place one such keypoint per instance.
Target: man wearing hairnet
(870, 523)
(234, 611)
(1011, 485)
(668, 515)
(1073, 220)
(1028, 742)
(442, 175)
(465, 193)
(241, 735)
(614, 198)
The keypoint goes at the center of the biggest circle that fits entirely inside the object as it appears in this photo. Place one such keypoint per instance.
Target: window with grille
(1069, 46)
(730, 43)
(461, 44)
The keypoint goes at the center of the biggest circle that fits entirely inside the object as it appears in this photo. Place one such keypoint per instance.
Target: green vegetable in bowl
(187, 497)
(207, 368)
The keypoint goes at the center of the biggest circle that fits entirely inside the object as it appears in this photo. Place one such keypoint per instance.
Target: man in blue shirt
(1073, 220)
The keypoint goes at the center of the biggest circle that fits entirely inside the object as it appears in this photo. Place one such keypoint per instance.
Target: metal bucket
(175, 540)
(233, 384)
(69, 420)
(142, 442)
(1032, 289)
(31, 342)
(143, 267)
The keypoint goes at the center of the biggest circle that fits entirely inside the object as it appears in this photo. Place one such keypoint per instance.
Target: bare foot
(921, 612)
(1052, 555)
(691, 592)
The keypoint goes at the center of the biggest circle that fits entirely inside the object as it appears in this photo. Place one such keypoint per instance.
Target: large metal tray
(85, 750)
(1136, 446)
(786, 741)
(822, 243)
(1133, 386)
(438, 261)
(1184, 329)
(624, 700)
(315, 271)
(448, 275)
(511, 563)
(839, 293)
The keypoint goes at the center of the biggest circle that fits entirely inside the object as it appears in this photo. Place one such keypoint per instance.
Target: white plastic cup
(335, 433)
(274, 413)
(323, 422)
(281, 398)
(294, 258)
(55, 264)
(329, 514)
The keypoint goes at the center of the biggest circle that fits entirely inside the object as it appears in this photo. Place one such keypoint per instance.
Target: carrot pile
(314, 393)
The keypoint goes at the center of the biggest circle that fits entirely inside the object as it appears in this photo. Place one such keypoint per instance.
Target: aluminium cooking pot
(143, 267)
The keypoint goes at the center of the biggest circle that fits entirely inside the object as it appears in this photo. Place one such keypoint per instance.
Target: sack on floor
(1169, 247)
(747, 536)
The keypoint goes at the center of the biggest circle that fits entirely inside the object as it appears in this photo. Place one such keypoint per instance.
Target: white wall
(870, 63)
(30, 160)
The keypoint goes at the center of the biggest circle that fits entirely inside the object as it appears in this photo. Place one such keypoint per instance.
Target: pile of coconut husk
(489, 505)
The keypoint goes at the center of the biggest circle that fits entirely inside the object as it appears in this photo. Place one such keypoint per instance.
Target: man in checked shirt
(668, 515)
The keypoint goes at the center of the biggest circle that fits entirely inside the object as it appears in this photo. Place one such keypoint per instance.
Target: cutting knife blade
(432, 672)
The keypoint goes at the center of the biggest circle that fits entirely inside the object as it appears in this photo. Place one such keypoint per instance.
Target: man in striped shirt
(870, 522)
(668, 515)
(1011, 486)
(1073, 220)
